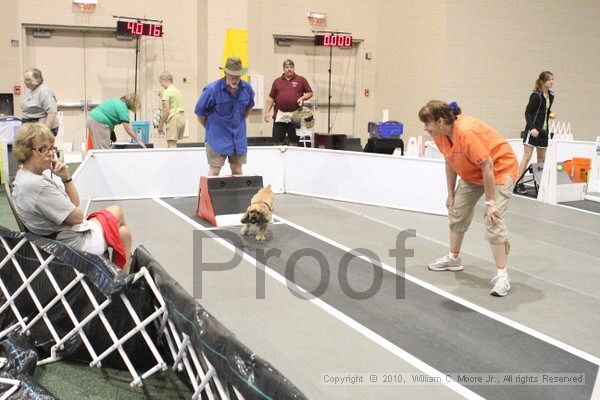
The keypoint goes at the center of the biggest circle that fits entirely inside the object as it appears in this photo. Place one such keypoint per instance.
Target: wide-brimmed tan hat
(233, 66)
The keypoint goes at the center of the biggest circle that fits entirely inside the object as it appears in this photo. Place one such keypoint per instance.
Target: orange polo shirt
(472, 143)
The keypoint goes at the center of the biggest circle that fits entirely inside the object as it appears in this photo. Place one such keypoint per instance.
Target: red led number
(337, 40)
(155, 30)
(139, 28)
(135, 28)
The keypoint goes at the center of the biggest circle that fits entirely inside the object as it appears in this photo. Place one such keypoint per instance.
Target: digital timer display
(139, 28)
(334, 40)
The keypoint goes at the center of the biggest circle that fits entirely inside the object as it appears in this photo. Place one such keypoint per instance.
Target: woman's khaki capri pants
(466, 196)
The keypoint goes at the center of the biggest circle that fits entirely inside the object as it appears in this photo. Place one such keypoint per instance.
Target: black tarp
(105, 281)
(254, 377)
(21, 361)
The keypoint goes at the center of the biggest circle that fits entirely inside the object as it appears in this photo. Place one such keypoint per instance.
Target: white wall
(496, 50)
(411, 66)
(390, 181)
(485, 54)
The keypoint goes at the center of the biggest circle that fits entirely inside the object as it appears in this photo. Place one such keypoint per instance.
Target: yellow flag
(236, 45)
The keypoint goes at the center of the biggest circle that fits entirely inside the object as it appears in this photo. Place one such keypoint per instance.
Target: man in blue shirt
(222, 109)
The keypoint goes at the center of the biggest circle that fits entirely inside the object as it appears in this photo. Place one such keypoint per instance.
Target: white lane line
(445, 244)
(547, 221)
(516, 325)
(381, 341)
(596, 390)
(558, 204)
(578, 209)
(216, 228)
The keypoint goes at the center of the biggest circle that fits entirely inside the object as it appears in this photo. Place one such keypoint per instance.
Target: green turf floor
(73, 381)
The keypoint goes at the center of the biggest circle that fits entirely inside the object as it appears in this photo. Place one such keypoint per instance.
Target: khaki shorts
(100, 134)
(218, 160)
(175, 127)
(466, 196)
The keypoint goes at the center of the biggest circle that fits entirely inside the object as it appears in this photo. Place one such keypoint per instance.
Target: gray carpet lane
(187, 205)
(587, 205)
(446, 335)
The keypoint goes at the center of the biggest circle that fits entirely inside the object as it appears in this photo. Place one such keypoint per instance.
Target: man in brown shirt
(288, 93)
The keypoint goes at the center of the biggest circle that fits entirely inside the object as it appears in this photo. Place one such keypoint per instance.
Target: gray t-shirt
(43, 206)
(37, 103)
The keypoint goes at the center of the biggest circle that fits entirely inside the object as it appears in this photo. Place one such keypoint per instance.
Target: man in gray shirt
(39, 103)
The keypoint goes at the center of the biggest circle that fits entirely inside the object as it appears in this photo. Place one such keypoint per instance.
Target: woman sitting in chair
(53, 212)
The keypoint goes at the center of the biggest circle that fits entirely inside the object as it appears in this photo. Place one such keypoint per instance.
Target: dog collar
(266, 204)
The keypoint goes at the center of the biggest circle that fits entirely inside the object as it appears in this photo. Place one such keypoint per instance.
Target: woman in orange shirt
(486, 165)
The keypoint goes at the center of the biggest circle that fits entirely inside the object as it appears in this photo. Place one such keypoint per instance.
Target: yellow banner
(236, 45)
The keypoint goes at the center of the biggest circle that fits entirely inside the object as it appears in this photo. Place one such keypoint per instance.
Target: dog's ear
(265, 217)
(245, 218)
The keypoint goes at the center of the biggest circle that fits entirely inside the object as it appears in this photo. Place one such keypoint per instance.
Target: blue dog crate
(385, 130)
(142, 130)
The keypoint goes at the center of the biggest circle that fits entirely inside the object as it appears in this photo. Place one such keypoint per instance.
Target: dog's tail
(268, 186)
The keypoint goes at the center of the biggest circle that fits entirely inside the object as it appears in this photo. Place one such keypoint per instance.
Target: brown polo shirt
(287, 92)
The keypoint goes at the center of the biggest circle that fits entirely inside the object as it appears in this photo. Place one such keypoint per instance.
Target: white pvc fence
(10, 386)
(391, 181)
(24, 325)
(407, 183)
(594, 185)
(565, 149)
(196, 367)
(147, 173)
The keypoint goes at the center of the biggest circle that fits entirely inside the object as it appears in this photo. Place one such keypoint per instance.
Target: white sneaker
(446, 263)
(500, 285)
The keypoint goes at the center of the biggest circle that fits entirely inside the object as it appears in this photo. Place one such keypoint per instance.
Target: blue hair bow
(454, 107)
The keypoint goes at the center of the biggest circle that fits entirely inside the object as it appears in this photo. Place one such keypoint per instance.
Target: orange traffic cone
(89, 141)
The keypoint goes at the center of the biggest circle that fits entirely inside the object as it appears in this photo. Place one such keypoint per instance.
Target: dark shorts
(280, 129)
(540, 141)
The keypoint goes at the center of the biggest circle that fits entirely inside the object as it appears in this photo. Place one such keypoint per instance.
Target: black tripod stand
(534, 170)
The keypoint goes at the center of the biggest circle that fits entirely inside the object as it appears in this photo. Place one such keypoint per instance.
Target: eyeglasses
(45, 149)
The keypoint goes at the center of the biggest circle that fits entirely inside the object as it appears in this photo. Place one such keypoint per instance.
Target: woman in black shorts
(537, 113)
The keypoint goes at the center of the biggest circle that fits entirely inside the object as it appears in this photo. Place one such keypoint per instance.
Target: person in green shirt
(105, 116)
(171, 117)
